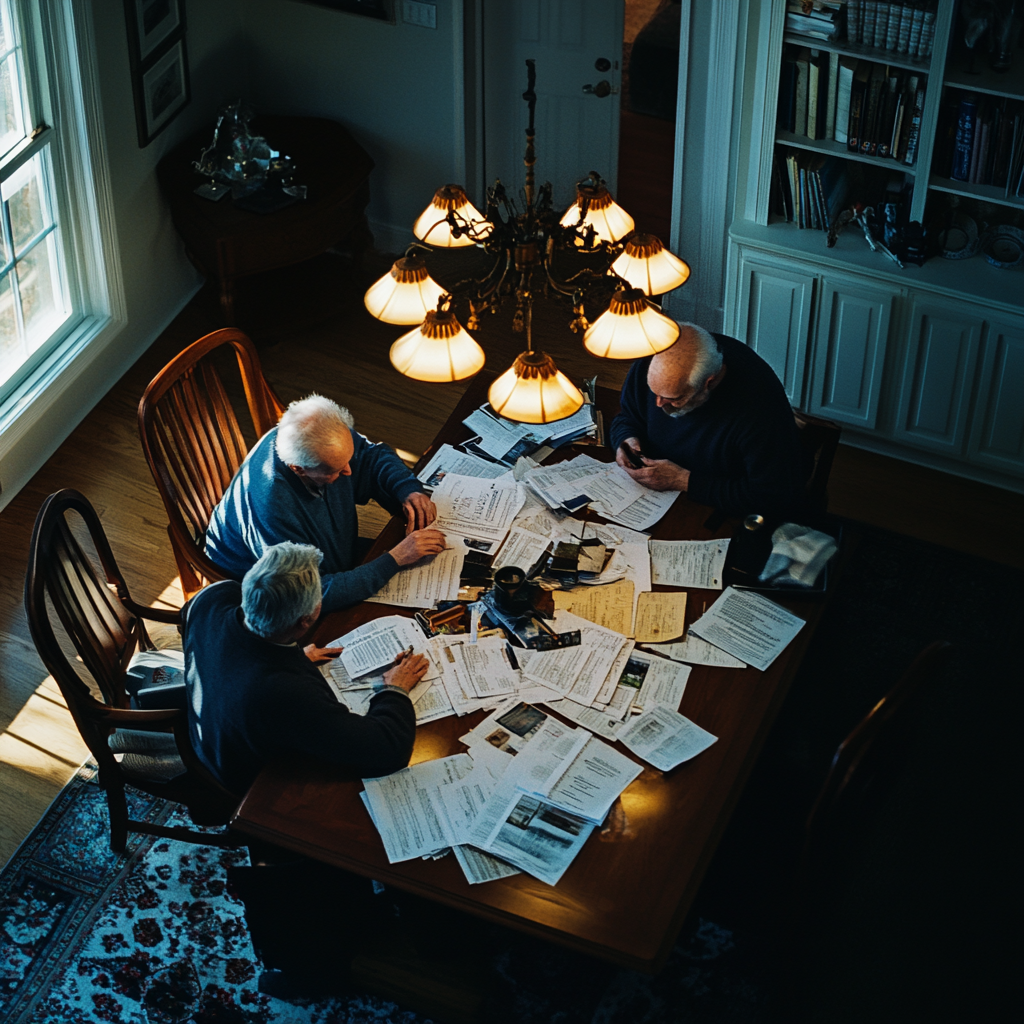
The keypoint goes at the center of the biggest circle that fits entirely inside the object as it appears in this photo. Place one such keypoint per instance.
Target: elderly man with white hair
(711, 418)
(302, 482)
(254, 695)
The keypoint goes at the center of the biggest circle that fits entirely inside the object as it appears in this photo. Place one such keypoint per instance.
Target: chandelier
(528, 249)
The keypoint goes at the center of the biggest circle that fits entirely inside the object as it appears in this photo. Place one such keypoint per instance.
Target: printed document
(419, 586)
(664, 738)
(610, 606)
(643, 513)
(479, 867)
(697, 652)
(522, 549)
(450, 460)
(593, 781)
(500, 438)
(376, 644)
(654, 681)
(689, 563)
(748, 626)
(597, 720)
(660, 616)
(479, 510)
(483, 669)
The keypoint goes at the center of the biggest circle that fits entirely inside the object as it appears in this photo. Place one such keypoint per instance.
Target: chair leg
(117, 806)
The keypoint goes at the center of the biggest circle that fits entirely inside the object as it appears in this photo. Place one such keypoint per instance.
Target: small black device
(634, 456)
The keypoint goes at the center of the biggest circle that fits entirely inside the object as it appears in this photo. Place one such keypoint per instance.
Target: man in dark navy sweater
(254, 695)
(302, 482)
(712, 419)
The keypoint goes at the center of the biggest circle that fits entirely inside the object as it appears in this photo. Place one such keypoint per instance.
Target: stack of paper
(450, 460)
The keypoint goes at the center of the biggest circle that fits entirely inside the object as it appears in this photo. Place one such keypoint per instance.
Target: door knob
(603, 64)
(602, 89)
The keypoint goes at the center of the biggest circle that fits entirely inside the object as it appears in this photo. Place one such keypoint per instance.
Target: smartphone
(634, 456)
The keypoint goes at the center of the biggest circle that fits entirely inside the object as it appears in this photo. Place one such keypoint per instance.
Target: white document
(508, 728)
(592, 782)
(432, 704)
(476, 509)
(580, 421)
(601, 721)
(483, 669)
(419, 586)
(697, 652)
(584, 480)
(449, 460)
(499, 437)
(521, 548)
(376, 644)
(664, 737)
(643, 513)
(463, 697)
(748, 626)
(689, 563)
(664, 681)
(479, 867)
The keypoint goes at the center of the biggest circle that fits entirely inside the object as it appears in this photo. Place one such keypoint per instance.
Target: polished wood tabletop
(626, 894)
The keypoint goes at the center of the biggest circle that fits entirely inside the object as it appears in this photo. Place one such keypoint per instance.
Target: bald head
(683, 376)
(314, 439)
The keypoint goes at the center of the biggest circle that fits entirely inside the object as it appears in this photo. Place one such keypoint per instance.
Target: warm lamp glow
(609, 220)
(630, 329)
(405, 295)
(432, 226)
(438, 350)
(534, 390)
(646, 264)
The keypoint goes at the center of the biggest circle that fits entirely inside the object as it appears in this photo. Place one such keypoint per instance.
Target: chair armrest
(131, 718)
(172, 616)
(169, 695)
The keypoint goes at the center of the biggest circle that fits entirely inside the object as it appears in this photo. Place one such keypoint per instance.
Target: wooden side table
(229, 243)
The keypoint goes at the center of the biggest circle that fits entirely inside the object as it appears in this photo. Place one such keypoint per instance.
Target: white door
(577, 46)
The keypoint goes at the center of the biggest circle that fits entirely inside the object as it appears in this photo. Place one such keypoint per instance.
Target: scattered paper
(665, 738)
(483, 669)
(610, 606)
(593, 781)
(478, 510)
(697, 652)
(660, 616)
(521, 548)
(376, 644)
(450, 460)
(748, 626)
(479, 867)
(421, 585)
(597, 720)
(643, 513)
(689, 563)
(662, 681)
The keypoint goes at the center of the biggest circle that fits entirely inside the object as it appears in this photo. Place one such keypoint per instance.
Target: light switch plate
(414, 12)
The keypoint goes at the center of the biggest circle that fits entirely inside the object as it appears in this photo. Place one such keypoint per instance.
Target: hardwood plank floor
(313, 334)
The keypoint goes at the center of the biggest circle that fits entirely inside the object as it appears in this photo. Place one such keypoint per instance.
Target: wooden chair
(194, 444)
(105, 626)
(819, 439)
(861, 755)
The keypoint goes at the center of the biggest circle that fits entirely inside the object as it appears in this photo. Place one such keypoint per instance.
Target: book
(964, 141)
(916, 24)
(830, 96)
(888, 104)
(892, 31)
(906, 19)
(914, 134)
(786, 116)
(858, 101)
(869, 116)
(927, 34)
(897, 141)
(803, 59)
(881, 24)
(983, 146)
(867, 36)
(794, 184)
(854, 20)
(847, 67)
(817, 82)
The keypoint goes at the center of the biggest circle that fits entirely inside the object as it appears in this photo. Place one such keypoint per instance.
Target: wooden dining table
(625, 896)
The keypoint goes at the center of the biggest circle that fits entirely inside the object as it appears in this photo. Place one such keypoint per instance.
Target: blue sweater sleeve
(344, 589)
(378, 473)
(631, 419)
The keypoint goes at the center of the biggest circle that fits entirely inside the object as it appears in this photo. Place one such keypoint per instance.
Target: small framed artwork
(158, 60)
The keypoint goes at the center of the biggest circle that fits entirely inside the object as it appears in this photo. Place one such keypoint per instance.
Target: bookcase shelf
(832, 148)
(1008, 83)
(988, 193)
(847, 49)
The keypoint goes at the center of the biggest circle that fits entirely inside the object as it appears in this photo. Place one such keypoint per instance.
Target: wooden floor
(313, 334)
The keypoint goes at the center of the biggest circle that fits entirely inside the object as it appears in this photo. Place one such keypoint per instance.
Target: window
(35, 305)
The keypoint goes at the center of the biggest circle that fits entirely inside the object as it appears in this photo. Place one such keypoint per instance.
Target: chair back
(819, 439)
(194, 442)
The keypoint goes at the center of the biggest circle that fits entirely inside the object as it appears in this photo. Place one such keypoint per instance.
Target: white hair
(708, 355)
(281, 588)
(310, 430)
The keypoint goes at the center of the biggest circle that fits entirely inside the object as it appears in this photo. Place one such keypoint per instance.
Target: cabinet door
(997, 430)
(937, 377)
(851, 334)
(774, 320)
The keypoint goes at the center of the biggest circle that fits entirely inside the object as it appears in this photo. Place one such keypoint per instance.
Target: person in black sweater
(255, 695)
(712, 419)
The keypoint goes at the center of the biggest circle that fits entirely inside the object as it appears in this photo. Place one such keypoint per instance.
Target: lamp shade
(534, 390)
(630, 328)
(609, 220)
(438, 350)
(432, 224)
(646, 264)
(405, 295)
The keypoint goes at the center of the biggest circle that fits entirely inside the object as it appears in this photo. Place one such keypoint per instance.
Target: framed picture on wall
(158, 60)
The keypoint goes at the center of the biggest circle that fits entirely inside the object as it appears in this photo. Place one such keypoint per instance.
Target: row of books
(873, 109)
(809, 189)
(906, 28)
(981, 141)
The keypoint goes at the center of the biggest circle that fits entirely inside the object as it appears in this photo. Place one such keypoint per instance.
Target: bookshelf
(925, 363)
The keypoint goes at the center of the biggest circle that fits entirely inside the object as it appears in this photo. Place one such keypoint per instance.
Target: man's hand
(620, 455)
(419, 512)
(661, 475)
(408, 671)
(417, 545)
(321, 655)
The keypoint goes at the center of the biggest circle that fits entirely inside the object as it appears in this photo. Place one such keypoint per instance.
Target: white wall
(392, 86)
(157, 278)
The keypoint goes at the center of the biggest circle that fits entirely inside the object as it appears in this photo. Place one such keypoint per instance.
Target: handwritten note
(660, 617)
(610, 606)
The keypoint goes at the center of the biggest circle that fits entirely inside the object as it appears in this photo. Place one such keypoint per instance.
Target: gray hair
(282, 587)
(309, 429)
(708, 355)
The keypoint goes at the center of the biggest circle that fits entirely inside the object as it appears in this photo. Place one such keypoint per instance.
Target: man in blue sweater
(255, 696)
(302, 482)
(711, 419)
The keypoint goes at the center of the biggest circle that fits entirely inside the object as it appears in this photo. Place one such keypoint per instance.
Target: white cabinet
(997, 431)
(775, 318)
(851, 336)
(937, 375)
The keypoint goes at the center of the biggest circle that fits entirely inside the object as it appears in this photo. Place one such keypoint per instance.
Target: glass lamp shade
(609, 220)
(432, 226)
(630, 328)
(405, 295)
(646, 264)
(438, 350)
(534, 390)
